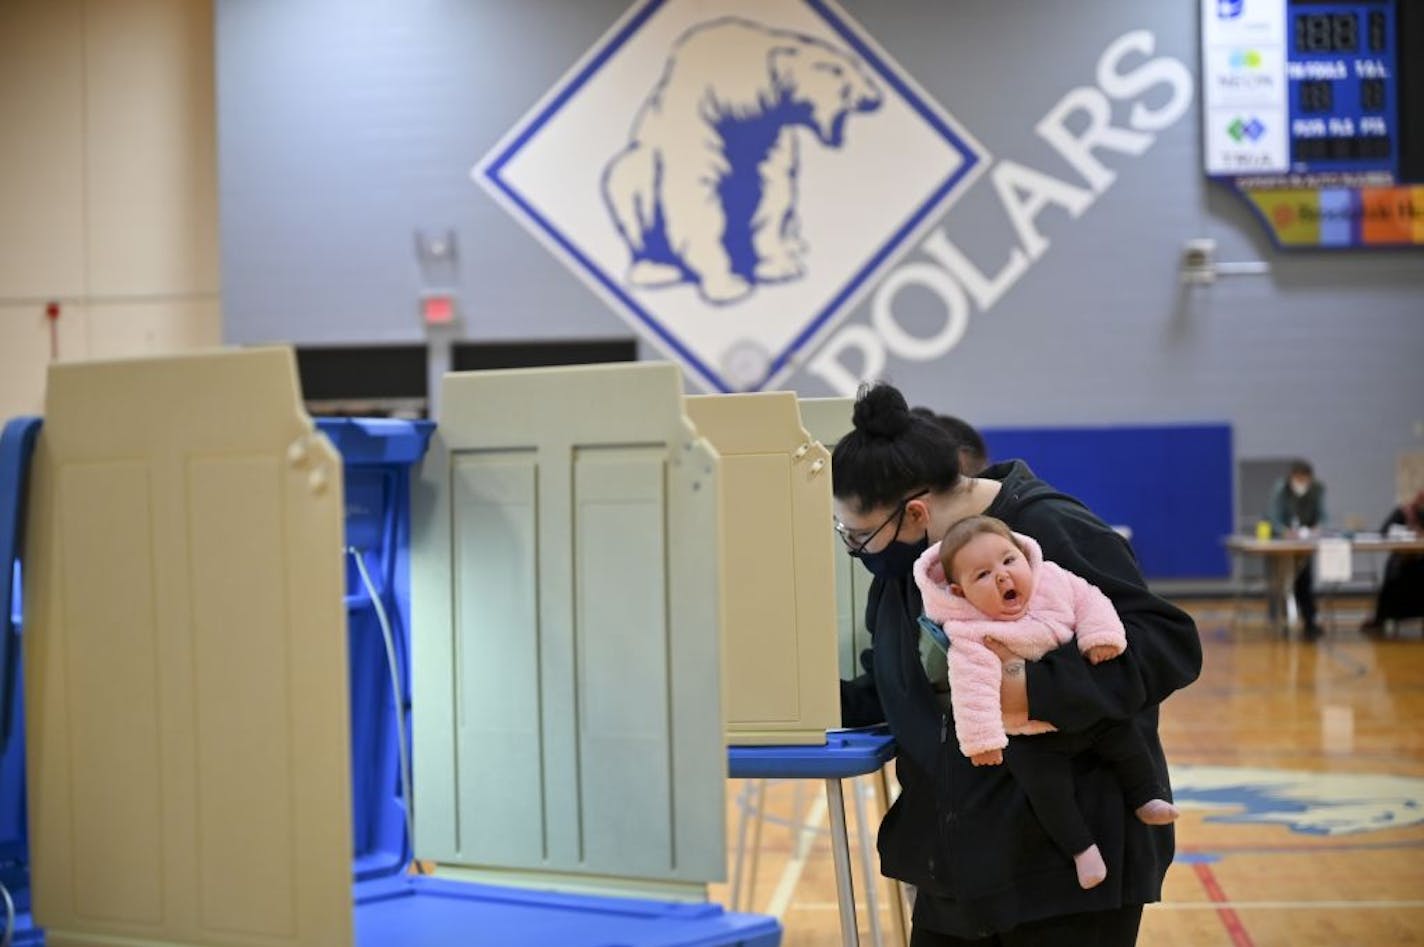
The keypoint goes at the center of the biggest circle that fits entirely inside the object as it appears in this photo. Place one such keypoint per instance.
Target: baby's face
(994, 576)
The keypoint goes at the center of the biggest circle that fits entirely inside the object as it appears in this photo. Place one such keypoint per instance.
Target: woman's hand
(987, 758)
(1013, 690)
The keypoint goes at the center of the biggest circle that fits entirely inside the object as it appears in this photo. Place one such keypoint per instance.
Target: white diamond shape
(861, 197)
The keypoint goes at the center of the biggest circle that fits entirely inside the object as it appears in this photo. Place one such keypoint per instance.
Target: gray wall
(346, 127)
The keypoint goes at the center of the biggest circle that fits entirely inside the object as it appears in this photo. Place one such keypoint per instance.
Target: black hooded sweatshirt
(964, 835)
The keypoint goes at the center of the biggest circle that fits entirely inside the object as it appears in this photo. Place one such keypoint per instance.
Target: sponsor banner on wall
(1342, 216)
(1244, 86)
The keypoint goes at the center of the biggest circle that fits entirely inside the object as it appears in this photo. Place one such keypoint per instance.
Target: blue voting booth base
(393, 907)
(429, 912)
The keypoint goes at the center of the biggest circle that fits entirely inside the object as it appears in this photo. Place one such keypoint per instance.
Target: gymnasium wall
(108, 184)
(346, 130)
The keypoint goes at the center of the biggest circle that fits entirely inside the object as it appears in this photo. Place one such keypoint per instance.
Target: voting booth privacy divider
(829, 420)
(186, 662)
(185, 659)
(567, 628)
(778, 569)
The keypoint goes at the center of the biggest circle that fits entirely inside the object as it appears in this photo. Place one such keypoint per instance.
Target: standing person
(969, 443)
(1401, 592)
(1297, 508)
(985, 870)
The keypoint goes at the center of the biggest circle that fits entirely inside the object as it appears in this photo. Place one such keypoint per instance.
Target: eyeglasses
(857, 539)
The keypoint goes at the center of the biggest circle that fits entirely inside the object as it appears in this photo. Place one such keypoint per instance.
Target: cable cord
(402, 749)
(9, 917)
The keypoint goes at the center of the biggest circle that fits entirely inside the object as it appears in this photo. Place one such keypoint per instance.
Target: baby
(983, 581)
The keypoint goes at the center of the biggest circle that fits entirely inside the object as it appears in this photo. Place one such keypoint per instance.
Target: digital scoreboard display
(1314, 111)
(1343, 99)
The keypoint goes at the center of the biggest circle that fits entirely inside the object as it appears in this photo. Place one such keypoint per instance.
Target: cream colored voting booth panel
(829, 420)
(566, 633)
(185, 659)
(779, 605)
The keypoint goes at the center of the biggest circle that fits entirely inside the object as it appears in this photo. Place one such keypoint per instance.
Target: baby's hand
(987, 758)
(1102, 652)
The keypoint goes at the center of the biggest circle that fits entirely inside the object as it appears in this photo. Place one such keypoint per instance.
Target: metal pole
(840, 849)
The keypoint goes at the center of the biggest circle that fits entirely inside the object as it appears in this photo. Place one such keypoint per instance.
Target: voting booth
(193, 570)
(778, 569)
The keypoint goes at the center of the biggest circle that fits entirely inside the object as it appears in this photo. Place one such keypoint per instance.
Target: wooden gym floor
(1300, 770)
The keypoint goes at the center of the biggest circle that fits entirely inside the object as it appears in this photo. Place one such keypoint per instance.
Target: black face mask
(896, 560)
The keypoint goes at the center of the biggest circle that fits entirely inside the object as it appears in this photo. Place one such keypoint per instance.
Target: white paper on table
(1333, 561)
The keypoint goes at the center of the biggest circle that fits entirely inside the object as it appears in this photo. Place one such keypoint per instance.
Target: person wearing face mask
(985, 870)
(1297, 508)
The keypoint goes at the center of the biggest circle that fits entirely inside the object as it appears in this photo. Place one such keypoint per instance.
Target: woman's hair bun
(881, 411)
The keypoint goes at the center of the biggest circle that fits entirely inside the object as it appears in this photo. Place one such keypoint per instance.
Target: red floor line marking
(1232, 923)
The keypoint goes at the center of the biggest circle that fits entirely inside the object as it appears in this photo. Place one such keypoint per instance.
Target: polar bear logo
(1308, 803)
(705, 192)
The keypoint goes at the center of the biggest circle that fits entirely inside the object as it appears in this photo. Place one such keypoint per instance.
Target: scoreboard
(1311, 111)
(1343, 96)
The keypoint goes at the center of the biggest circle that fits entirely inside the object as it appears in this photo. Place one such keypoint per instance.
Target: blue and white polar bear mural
(705, 191)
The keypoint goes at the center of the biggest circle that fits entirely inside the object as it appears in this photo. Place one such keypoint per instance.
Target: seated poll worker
(1401, 591)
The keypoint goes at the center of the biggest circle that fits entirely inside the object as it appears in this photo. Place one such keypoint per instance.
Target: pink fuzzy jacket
(1062, 604)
